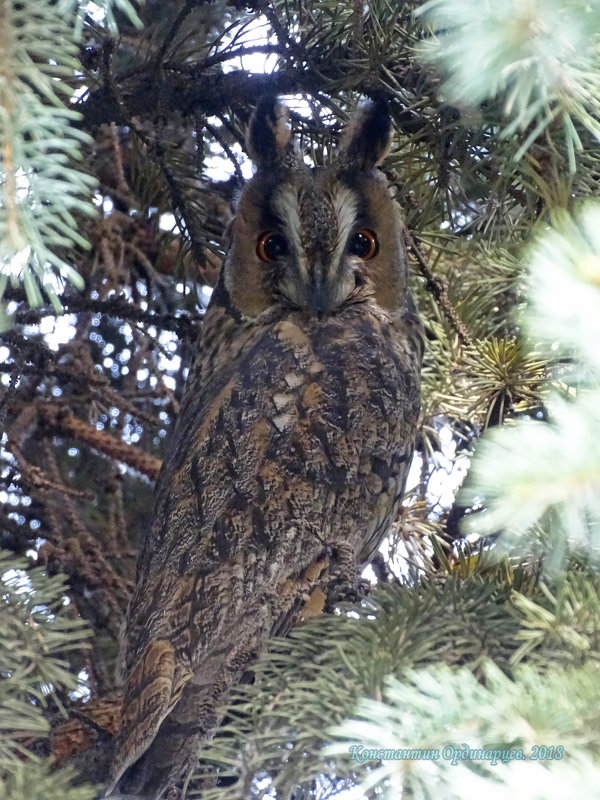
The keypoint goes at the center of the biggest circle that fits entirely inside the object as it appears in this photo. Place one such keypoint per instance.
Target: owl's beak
(318, 298)
(318, 292)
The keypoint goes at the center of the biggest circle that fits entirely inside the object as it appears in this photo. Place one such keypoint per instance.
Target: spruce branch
(562, 618)
(565, 288)
(540, 58)
(39, 781)
(478, 738)
(52, 417)
(134, 457)
(325, 666)
(41, 192)
(184, 325)
(36, 631)
(539, 482)
(80, 9)
(498, 378)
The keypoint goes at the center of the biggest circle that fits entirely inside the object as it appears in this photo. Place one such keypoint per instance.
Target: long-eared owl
(290, 453)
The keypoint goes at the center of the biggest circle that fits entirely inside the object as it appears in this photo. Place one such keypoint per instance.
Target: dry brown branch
(128, 454)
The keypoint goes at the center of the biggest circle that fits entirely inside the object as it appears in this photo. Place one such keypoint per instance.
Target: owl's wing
(296, 444)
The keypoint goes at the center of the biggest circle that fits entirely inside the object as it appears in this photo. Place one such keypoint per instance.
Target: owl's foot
(344, 585)
(347, 593)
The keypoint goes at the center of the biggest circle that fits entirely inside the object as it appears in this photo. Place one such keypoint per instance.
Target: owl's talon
(348, 593)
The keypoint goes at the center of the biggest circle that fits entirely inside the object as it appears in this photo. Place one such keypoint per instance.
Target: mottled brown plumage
(290, 454)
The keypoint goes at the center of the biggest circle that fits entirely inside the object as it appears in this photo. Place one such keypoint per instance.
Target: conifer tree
(121, 151)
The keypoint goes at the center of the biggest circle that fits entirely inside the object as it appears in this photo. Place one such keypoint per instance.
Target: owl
(289, 457)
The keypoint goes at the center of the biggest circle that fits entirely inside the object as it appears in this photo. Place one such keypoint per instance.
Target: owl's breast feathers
(294, 438)
(292, 428)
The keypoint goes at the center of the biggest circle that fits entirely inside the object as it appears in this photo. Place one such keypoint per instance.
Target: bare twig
(438, 287)
(227, 150)
(185, 326)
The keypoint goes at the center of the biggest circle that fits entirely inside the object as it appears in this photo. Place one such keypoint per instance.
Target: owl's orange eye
(364, 244)
(271, 246)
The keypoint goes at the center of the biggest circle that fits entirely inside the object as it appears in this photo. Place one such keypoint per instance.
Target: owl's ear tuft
(367, 138)
(269, 133)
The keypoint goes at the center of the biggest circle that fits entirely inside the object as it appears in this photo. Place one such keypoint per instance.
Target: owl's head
(317, 238)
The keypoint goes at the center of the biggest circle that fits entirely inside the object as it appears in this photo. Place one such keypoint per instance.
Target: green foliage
(495, 377)
(164, 104)
(105, 9)
(487, 622)
(564, 295)
(541, 481)
(539, 58)
(37, 636)
(41, 192)
(533, 472)
(560, 621)
(35, 781)
(507, 721)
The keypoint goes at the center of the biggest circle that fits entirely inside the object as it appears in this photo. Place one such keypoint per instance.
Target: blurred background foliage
(121, 151)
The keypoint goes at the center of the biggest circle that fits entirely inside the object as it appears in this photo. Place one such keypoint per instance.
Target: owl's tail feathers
(153, 689)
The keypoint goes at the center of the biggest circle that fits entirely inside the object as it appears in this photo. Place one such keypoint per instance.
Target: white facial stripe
(286, 206)
(345, 205)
